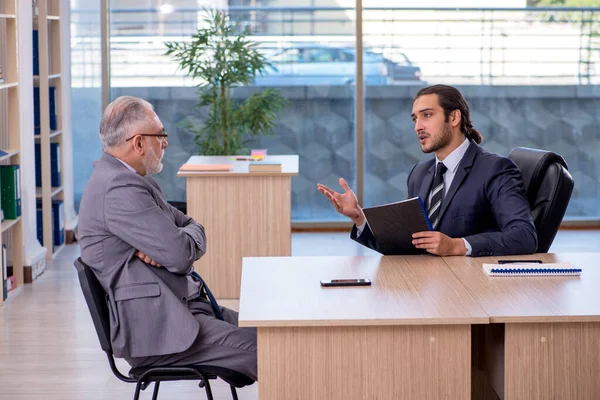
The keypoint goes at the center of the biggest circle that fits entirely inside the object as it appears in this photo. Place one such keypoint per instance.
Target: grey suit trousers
(219, 343)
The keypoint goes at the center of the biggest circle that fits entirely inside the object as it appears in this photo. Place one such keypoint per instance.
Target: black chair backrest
(549, 186)
(95, 297)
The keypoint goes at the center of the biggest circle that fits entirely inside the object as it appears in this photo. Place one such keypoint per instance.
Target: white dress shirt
(451, 162)
(129, 167)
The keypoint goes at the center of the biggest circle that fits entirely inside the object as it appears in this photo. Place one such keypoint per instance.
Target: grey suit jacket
(122, 212)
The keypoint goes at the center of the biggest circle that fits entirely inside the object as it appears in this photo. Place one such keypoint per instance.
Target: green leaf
(221, 56)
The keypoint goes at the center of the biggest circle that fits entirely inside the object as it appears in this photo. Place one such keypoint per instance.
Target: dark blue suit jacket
(486, 204)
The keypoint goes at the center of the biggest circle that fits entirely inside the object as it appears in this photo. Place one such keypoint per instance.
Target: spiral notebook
(528, 269)
(394, 224)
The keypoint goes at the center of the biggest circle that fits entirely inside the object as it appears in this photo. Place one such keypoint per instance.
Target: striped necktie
(437, 194)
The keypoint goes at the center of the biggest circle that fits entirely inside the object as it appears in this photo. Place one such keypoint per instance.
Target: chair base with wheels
(96, 300)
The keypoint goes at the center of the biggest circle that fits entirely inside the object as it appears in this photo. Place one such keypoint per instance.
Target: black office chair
(549, 186)
(96, 300)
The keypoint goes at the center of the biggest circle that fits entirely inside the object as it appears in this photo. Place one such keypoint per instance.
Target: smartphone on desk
(346, 282)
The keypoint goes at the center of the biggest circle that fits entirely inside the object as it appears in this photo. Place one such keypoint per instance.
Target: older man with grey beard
(142, 251)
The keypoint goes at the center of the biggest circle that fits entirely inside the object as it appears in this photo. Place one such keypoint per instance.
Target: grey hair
(120, 117)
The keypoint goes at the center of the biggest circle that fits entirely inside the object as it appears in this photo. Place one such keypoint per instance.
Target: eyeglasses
(163, 136)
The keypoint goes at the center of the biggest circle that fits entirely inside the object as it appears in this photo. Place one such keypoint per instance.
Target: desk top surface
(289, 166)
(534, 298)
(412, 290)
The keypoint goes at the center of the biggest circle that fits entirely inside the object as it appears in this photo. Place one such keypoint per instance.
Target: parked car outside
(315, 64)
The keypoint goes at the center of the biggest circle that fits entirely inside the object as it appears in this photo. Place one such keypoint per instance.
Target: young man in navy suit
(475, 200)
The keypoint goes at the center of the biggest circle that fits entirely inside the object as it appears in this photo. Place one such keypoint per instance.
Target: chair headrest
(533, 164)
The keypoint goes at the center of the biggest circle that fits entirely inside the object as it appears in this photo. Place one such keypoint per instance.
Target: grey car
(325, 65)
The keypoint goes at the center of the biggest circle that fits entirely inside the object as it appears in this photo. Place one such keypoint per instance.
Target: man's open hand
(344, 203)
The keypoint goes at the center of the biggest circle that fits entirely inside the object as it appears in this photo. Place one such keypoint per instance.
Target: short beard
(152, 163)
(440, 141)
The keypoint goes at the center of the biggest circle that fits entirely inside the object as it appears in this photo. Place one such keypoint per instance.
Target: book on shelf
(206, 167)
(264, 166)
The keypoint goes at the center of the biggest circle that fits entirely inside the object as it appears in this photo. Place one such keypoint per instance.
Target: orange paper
(205, 167)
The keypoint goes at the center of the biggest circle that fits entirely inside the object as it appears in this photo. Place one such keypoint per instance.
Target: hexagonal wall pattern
(318, 125)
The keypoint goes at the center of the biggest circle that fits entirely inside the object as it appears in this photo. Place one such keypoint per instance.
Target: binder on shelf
(53, 120)
(394, 224)
(11, 191)
(40, 225)
(52, 105)
(55, 180)
(38, 165)
(39, 218)
(36, 110)
(4, 274)
(58, 225)
(55, 164)
(530, 269)
(36, 53)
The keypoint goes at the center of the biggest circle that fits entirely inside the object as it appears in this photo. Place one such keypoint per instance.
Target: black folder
(394, 224)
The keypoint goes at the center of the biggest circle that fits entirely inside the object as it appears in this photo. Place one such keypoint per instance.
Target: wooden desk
(244, 214)
(544, 337)
(408, 336)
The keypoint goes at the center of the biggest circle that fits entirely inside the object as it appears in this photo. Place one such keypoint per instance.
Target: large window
(313, 71)
(531, 77)
(86, 91)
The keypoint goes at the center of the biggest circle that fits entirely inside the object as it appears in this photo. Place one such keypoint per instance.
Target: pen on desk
(520, 262)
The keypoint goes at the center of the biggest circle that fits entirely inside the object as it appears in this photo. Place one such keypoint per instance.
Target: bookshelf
(11, 227)
(48, 135)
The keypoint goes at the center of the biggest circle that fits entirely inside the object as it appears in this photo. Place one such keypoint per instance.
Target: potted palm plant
(222, 57)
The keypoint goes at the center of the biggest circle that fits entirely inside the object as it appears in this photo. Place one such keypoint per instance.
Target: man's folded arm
(133, 215)
(192, 228)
